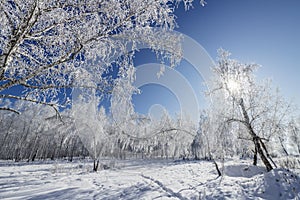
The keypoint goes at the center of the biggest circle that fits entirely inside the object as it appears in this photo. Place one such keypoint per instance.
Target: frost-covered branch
(10, 109)
(53, 105)
(48, 44)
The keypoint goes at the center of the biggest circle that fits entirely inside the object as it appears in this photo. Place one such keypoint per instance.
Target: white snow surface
(145, 179)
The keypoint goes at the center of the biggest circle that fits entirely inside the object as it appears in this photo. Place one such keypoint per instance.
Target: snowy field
(144, 179)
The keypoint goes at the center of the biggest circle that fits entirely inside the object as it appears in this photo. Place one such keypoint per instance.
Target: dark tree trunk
(265, 149)
(96, 165)
(217, 168)
(256, 140)
(261, 154)
(255, 157)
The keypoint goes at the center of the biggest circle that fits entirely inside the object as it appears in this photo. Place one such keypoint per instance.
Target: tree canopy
(50, 46)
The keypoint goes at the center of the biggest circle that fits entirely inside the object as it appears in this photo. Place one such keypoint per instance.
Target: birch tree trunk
(256, 140)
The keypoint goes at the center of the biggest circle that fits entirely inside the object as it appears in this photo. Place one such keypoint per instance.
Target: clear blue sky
(265, 32)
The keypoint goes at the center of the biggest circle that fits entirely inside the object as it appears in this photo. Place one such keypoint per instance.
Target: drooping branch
(52, 105)
(10, 109)
(156, 133)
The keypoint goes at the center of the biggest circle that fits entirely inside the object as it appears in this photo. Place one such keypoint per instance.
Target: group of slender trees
(38, 134)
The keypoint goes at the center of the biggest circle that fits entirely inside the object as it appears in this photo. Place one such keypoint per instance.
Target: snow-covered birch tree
(252, 111)
(91, 124)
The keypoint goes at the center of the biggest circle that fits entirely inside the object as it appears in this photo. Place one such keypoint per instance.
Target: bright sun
(233, 86)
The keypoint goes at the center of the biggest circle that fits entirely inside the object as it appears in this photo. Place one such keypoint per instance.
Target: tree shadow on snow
(246, 171)
(68, 193)
(137, 191)
(279, 184)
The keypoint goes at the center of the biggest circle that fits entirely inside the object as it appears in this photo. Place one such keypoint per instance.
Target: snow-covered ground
(145, 179)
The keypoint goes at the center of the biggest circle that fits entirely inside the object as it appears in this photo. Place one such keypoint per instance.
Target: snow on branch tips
(43, 44)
